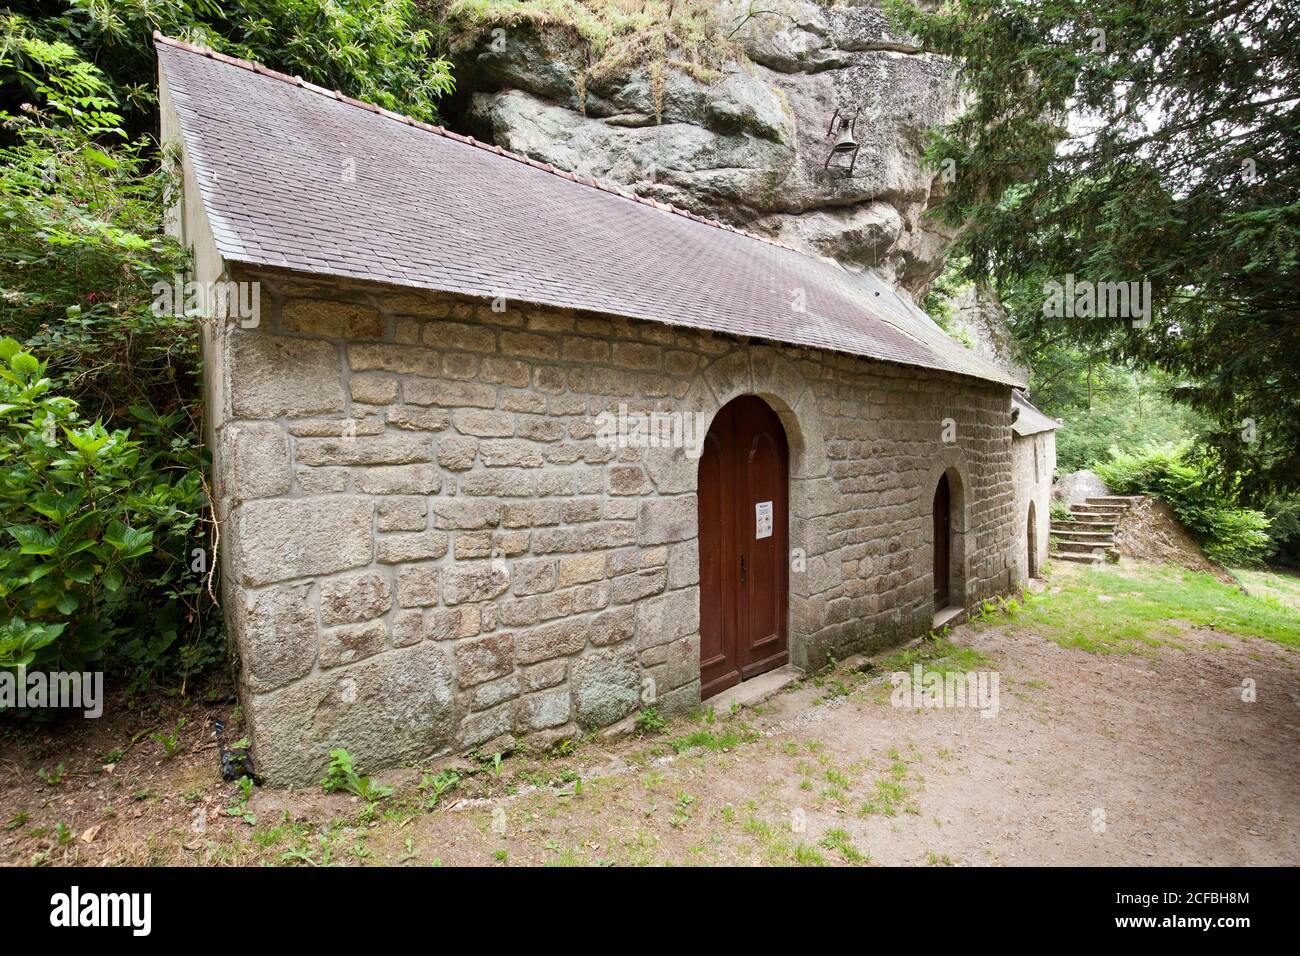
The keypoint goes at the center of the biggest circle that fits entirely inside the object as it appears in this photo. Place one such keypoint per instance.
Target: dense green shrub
(380, 51)
(83, 511)
(1124, 417)
(101, 520)
(1228, 533)
(81, 247)
(1283, 513)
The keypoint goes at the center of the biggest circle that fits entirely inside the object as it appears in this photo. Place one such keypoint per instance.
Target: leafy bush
(20, 640)
(103, 496)
(1124, 418)
(80, 508)
(380, 51)
(101, 441)
(1284, 527)
(1228, 533)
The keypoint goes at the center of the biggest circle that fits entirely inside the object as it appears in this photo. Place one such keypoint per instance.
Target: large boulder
(980, 314)
(745, 141)
(1073, 488)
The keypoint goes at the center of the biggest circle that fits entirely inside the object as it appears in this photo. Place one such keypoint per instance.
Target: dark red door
(744, 545)
(1031, 535)
(942, 543)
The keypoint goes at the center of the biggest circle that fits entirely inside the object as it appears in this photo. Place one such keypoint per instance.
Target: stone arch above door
(760, 371)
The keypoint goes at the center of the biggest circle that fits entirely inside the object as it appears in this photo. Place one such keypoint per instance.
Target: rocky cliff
(742, 138)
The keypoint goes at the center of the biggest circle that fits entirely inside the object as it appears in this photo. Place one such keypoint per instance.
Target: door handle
(742, 568)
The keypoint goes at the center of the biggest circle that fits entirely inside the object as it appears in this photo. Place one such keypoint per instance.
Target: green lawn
(1137, 607)
(1284, 588)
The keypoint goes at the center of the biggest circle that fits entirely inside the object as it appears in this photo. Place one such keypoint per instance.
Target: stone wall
(1033, 464)
(427, 547)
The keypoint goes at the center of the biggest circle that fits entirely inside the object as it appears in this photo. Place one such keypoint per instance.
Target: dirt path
(1091, 759)
(1183, 771)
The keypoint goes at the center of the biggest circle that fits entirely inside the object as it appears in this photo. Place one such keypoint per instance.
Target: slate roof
(1030, 421)
(298, 177)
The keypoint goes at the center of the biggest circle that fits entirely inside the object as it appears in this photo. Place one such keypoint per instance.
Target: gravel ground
(1091, 759)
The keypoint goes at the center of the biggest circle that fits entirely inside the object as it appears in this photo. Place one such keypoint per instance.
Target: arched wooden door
(942, 544)
(744, 545)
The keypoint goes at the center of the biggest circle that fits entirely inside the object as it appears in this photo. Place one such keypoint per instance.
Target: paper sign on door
(763, 520)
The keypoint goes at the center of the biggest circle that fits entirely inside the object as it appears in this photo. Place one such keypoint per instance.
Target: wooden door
(744, 545)
(942, 543)
(1031, 535)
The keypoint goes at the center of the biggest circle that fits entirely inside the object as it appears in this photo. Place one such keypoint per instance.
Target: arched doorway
(1031, 534)
(743, 496)
(942, 511)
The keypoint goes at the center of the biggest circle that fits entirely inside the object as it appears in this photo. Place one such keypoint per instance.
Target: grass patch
(840, 841)
(781, 849)
(1284, 588)
(727, 738)
(1139, 607)
(940, 655)
(890, 795)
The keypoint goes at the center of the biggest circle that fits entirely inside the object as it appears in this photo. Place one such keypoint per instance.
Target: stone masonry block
(484, 658)
(388, 708)
(415, 479)
(276, 634)
(354, 598)
(272, 375)
(277, 540)
(258, 462)
(352, 642)
(469, 582)
(663, 520)
(332, 318)
(417, 585)
(407, 513)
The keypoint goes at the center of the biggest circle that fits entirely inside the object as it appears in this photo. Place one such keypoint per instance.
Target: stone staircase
(1089, 534)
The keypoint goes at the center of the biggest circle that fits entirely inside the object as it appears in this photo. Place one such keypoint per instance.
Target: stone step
(1125, 501)
(1077, 525)
(1078, 558)
(1081, 547)
(1112, 520)
(1070, 534)
(1097, 510)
